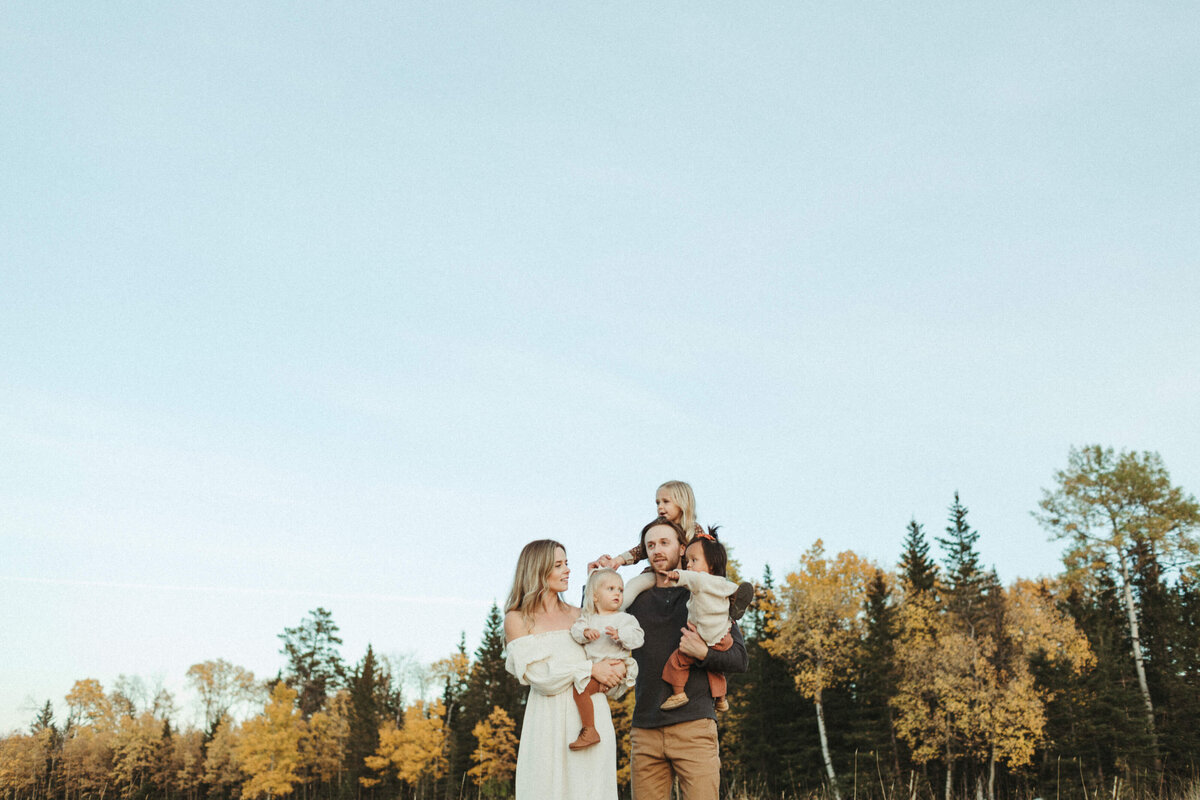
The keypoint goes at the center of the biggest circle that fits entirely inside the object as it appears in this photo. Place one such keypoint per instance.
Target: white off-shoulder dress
(551, 663)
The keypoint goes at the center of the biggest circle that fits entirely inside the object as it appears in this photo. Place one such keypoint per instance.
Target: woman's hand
(608, 673)
(691, 644)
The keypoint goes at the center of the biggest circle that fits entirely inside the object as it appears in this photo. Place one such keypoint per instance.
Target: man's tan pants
(687, 750)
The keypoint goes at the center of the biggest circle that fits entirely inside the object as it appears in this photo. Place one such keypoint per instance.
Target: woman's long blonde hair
(681, 494)
(529, 588)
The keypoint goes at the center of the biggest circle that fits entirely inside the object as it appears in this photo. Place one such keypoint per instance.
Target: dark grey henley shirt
(662, 614)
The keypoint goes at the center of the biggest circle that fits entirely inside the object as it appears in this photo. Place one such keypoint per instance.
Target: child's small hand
(591, 634)
(673, 575)
(612, 634)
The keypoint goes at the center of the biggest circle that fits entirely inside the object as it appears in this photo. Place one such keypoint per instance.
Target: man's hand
(591, 634)
(690, 644)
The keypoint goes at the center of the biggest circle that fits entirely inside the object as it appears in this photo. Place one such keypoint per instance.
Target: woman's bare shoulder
(515, 626)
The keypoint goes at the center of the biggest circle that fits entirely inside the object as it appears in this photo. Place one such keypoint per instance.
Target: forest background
(928, 680)
(338, 306)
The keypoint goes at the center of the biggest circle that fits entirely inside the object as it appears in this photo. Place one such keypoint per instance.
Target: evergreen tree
(966, 581)
(315, 668)
(770, 733)
(365, 716)
(50, 739)
(917, 570)
(1095, 719)
(1112, 508)
(455, 673)
(488, 686)
(1170, 649)
(875, 677)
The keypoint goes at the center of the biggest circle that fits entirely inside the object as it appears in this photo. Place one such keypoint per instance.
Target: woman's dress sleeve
(531, 661)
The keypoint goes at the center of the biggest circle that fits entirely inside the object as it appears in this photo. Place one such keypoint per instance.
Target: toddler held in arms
(715, 603)
(606, 632)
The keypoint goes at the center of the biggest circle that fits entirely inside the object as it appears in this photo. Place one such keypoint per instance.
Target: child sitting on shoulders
(715, 603)
(606, 632)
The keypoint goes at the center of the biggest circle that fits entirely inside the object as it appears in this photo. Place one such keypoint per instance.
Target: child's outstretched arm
(709, 584)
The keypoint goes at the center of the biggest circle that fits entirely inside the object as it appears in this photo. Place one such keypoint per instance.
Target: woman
(542, 655)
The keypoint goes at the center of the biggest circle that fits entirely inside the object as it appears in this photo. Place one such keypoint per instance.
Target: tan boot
(674, 701)
(587, 737)
(721, 704)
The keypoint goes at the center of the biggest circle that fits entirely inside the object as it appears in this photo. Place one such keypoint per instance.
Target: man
(682, 742)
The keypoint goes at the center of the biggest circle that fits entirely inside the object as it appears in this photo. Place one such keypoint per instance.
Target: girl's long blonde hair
(529, 588)
(681, 494)
(593, 581)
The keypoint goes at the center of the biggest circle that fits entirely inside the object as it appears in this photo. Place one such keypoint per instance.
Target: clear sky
(316, 304)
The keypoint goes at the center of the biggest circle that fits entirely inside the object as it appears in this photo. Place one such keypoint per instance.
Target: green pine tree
(365, 716)
(770, 731)
(917, 570)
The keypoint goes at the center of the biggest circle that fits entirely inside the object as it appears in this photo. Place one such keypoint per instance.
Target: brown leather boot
(587, 737)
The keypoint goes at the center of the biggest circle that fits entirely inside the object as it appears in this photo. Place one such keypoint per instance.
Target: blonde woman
(543, 656)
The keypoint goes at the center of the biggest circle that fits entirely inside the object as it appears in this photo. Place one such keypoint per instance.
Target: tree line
(928, 680)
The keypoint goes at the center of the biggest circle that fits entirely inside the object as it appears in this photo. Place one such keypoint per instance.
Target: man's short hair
(675, 526)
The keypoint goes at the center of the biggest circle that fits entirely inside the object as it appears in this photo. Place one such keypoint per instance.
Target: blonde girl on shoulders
(676, 502)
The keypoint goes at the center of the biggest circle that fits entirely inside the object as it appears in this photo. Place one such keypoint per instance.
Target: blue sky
(313, 305)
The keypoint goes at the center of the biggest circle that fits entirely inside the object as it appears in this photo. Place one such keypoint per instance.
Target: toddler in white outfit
(606, 632)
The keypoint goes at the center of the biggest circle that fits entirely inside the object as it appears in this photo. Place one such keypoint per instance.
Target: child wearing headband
(714, 604)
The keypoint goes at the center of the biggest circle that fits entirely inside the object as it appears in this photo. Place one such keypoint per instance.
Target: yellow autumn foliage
(22, 761)
(222, 767)
(495, 756)
(323, 746)
(269, 747)
(820, 624)
(962, 694)
(416, 751)
(135, 747)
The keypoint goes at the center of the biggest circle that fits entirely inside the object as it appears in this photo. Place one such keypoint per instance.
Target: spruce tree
(875, 677)
(458, 736)
(1095, 719)
(489, 686)
(1170, 645)
(965, 578)
(770, 732)
(917, 569)
(365, 717)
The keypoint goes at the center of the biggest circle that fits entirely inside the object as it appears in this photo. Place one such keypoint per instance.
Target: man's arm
(732, 660)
